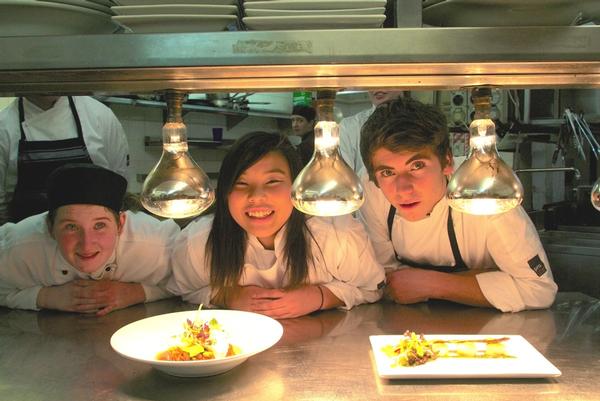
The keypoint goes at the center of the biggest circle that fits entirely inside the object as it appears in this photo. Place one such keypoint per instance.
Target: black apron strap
(390, 220)
(21, 119)
(76, 117)
(459, 265)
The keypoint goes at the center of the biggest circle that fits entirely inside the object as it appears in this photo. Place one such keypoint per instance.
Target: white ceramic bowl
(143, 340)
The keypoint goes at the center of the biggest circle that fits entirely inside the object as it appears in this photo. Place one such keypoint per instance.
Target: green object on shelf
(302, 99)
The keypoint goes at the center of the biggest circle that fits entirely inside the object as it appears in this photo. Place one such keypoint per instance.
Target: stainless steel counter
(62, 356)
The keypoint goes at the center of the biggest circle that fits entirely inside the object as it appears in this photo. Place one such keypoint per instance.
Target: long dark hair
(227, 241)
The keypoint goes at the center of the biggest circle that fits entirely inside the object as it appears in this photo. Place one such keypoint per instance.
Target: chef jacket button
(65, 272)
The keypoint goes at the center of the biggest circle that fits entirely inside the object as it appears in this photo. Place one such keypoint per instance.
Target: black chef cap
(304, 111)
(85, 184)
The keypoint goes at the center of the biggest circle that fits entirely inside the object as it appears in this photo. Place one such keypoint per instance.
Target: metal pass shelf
(408, 58)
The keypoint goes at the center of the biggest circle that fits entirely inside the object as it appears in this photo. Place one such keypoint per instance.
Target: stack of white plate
(486, 13)
(162, 16)
(264, 15)
(60, 17)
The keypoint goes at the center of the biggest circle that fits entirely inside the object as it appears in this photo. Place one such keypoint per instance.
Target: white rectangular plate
(314, 22)
(175, 23)
(528, 362)
(314, 4)
(175, 9)
(150, 2)
(260, 12)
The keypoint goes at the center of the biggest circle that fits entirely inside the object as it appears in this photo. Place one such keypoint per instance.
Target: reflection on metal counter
(322, 356)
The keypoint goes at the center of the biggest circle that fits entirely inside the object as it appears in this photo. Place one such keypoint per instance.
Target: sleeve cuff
(500, 290)
(154, 293)
(23, 299)
(352, 296)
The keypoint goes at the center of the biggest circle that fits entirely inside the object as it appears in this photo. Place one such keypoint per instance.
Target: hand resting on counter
(91, 296)
(282, 304)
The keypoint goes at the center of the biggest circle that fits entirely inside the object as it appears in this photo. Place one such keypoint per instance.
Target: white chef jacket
(345, 263)
(350, 138)
(102, 133)
(30, 259)
(508, 242)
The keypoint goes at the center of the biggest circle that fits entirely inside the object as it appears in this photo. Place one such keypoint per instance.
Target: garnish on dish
(200, 340)
(414, 349)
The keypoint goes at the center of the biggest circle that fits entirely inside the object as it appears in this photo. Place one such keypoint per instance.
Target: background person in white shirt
(84, 255)
(258, 253)
(350, 128)
(40, 133)
(428, 249)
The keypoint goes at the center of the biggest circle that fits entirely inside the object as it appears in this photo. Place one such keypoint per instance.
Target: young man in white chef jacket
(84, 254)
(430, 251)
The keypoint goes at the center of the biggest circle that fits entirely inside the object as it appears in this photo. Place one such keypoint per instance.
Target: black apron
(36, 160)
(459, 266)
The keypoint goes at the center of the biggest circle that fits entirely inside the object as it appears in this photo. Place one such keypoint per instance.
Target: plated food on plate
(446, 356)
(414, 349)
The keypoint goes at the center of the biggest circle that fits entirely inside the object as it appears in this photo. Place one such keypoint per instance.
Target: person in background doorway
(350, 128)
(40, 133)
(260, 254)
(428, 249)
(303, 125)
(84, 254)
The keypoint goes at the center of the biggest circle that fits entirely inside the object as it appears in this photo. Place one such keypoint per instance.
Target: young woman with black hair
(258, 253)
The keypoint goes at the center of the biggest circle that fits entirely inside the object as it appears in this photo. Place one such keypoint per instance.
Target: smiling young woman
(258, 253)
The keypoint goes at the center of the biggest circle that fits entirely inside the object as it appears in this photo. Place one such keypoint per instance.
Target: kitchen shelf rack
(232, 117)
(193, 142)
(407, 58)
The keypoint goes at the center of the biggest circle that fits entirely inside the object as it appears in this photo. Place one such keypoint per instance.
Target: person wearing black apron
(36, 160)
(459, 263)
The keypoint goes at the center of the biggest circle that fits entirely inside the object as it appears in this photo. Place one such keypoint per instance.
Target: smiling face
(260, 198)
(86, 235)
(412, 181)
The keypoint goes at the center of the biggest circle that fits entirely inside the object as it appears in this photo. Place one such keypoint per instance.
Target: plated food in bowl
(200, 341)
(418, 356)
(197, 343)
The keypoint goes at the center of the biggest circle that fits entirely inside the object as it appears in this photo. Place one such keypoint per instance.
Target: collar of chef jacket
(438, 211)
(108, 269)
(277, 243)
